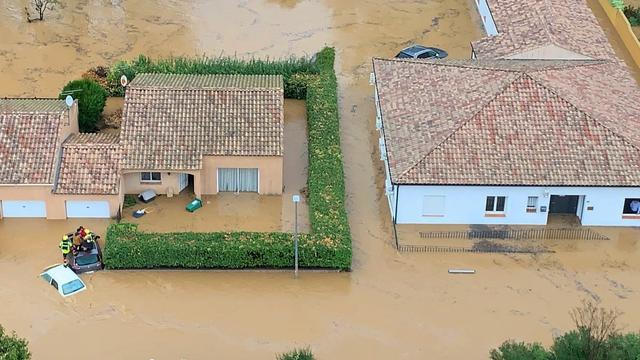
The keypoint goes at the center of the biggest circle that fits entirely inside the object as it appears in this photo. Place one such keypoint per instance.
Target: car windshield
(87, 259)
(72, 287)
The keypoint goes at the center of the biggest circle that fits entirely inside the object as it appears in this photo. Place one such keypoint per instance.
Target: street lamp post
(296, 200)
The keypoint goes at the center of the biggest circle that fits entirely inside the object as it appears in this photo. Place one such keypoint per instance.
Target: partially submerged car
(63, 279)
(421, 52)
(86, 260)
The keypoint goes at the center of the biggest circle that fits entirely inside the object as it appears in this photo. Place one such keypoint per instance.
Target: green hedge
(328, 245)
(293, 70)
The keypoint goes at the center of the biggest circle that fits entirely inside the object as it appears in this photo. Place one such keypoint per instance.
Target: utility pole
(296, 200)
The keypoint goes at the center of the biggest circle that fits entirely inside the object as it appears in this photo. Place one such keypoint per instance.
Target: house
(47, 169)
(216, 133)
(509, 141)
(536, 29)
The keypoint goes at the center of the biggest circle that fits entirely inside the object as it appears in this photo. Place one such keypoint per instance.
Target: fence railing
(455, 249)
(519, 234)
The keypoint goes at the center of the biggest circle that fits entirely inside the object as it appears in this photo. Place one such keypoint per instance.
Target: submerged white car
(63, 279)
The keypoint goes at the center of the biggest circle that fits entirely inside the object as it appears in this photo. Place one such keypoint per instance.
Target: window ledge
(497, 215)
(631, 216)
(532, 210)
(433, 215)
(150, 181)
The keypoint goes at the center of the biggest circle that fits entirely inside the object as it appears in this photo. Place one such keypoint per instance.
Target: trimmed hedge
(293, 70)
(328, 245)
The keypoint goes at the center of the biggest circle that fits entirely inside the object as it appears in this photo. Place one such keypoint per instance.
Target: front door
(567, 204)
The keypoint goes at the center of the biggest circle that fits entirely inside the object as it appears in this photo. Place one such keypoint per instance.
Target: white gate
(237, 180)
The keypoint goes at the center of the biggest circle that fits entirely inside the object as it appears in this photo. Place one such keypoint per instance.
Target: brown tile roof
(531, 24)
(510, 122)
(29, 139)
(171, 127)
(89, 165)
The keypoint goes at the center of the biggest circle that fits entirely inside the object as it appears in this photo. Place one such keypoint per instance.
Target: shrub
(12, 347)
(573, 345)
(624, 347)
(617, 4)
(633, 14)
(91, 100)
(297, 354)
(511, 350)
(129, 201)
(292, 70)
(328, 245)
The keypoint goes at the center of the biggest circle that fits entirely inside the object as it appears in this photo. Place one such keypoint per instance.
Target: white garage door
(24, 208)
(88, 209)
(238, 180)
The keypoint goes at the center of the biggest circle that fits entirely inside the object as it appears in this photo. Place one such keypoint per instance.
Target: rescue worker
(65, 246)
(77, 241)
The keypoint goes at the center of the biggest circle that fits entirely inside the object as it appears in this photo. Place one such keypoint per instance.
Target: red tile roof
(510, 122)
(29, 139)
(89, 165)
(172, 121)
(529, 25)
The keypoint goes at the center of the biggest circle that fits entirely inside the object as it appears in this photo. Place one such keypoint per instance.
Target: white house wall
(466, 204)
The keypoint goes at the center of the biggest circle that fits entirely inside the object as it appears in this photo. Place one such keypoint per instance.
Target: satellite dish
(123, 80)
(69, 101)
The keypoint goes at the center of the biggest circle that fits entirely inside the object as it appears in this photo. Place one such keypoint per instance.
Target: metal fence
(523, 234)
(454, 249)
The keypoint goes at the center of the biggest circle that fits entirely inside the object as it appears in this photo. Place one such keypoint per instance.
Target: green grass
(329, 243)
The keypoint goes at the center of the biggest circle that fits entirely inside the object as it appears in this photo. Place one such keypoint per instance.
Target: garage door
(237, 180)
(24, 208)
(88, 209)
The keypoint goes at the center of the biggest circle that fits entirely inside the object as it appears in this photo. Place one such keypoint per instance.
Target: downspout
(395, 216)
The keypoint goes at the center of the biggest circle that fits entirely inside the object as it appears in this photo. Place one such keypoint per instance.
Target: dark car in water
(421, 52)
(86, 261)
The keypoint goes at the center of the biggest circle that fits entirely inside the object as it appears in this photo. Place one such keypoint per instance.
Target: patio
(240, 211)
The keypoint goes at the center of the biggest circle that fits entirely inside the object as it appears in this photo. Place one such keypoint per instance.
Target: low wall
(623, 28)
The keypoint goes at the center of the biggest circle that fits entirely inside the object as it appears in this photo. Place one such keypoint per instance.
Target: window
(532, 204)
(150, 177)
(495, 203)
(631, 206)
(433, 205)
(238, 180)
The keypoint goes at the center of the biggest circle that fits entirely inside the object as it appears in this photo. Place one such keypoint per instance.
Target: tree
(91, 100)
(12, 347)
(595, 325)
(41, 7)
(511, 350)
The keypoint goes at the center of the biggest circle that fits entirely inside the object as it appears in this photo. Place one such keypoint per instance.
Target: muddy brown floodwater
(392, 306)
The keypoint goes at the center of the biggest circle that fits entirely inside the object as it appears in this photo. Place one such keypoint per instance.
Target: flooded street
(392, 306)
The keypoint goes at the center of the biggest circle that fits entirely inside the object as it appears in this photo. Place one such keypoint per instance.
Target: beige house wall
(55, 203)
(270, 170)
(134, 185)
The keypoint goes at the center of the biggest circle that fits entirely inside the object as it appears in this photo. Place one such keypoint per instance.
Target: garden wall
(623, 28)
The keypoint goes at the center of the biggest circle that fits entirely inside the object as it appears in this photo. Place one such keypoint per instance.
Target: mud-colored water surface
(392, 306)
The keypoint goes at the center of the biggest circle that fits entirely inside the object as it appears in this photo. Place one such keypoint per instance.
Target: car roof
(62, 274)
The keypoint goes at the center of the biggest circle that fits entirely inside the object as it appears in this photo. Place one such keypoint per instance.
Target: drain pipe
(395, 216)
